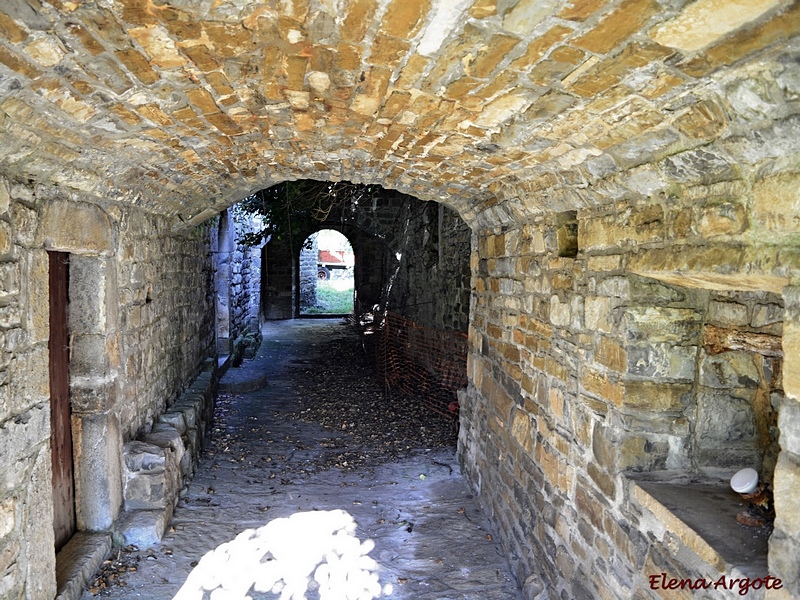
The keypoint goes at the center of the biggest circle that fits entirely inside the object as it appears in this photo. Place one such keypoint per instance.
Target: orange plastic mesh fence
(422, 361)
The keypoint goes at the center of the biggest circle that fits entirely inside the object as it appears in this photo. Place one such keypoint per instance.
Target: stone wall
(590, 367)
(432, 281)
(140, 319)
(308, 273)
(166, 312)
(237, 283)
(664, 133)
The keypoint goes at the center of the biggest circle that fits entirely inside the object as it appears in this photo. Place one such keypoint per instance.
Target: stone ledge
(701, 513)
(78, 561)
(242, 385)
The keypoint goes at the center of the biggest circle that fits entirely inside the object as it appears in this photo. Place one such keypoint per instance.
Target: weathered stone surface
(673, 363)
(89, 228)
(717, 340)
(97, 451)
(22, 435)
(78, 562)
(724, 418)
(704, 22)
(143, 528)
(729, 370)
(786, 501)
(37, 516)
(790, 426)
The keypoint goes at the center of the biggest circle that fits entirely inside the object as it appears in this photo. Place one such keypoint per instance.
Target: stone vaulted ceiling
(185, 106)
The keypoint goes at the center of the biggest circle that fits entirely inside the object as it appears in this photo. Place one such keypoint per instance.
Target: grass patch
(333, 298)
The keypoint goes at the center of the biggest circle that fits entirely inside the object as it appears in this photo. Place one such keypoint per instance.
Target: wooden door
(60, 413)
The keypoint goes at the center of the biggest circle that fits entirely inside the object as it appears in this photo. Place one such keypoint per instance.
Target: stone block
(89, 312)
(608, 262)
(658, 396)
(730, 370)
(705, 120)
(79, 561)
(789, 425)
(626, 19)
(6, 239)
(560, 314)
(787, 500)
(166, 438)
(612, 355)
(193, 442)
(98, 478)
(724, 420)
(653, 324)
(138, 65)
(603, 386)
(662, 360)
(728, 313)
(143, 528)
(191, 411)
(597, 314)
(725, 218)
(152, 470)
(76, 227)
(604, 481)
(37, 529)
(175, 420)
(776, 203)
(22, 434)
(146, 490)
(643, 453)
(92, 394)
(783, 552)
(36, 269)
(521, 430)
(701, 24)
(174, 450)
(7, 516)
(143, 457)
(88, 355)
(766, 314)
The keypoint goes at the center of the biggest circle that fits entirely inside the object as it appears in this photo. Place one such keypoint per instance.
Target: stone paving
(430, 540)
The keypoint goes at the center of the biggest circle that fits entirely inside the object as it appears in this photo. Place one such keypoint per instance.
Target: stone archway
(326, 274)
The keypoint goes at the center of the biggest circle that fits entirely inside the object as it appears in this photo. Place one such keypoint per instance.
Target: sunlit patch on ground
(312, 555)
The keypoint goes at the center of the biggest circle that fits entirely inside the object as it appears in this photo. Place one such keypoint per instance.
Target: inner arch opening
(326, 274)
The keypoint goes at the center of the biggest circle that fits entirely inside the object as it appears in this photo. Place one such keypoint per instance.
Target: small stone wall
(159, 463)
(308, 274)
(237, 284)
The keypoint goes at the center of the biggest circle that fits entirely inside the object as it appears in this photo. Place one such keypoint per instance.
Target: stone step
(78, 561)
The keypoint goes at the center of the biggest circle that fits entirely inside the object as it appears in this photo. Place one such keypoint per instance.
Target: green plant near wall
(296, 208)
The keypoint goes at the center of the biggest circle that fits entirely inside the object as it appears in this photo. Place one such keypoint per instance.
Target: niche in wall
(705, 368)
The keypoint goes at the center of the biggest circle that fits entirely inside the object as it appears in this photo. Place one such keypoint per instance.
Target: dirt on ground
(341, 392)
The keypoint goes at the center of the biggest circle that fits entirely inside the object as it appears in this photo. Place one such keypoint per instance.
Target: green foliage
(332, 300)
(296, 208)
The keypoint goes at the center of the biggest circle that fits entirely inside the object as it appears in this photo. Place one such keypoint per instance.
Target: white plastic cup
(745, 481)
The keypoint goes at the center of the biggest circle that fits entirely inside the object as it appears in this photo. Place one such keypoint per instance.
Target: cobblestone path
(276, 476)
